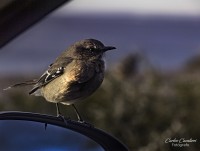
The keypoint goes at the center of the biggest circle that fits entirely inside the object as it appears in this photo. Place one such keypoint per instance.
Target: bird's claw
(85, 123)
(63, 118)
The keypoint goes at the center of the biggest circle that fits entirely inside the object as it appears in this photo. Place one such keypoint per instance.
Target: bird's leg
(80, 118)
(59, 115)
(77, 113)
(57, 110)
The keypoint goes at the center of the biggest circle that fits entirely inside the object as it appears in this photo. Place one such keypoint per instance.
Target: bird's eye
(90, 49)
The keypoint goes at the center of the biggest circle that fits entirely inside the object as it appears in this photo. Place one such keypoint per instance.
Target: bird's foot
(85, 123)
(63, 118)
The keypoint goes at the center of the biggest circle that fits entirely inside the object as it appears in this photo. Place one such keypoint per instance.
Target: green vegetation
(136, 103)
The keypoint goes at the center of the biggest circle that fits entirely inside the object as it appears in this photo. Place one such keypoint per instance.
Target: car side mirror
(31, 131)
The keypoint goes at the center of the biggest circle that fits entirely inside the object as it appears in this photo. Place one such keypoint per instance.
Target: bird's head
(89, 49)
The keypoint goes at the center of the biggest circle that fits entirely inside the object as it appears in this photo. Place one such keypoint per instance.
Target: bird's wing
(55, 70)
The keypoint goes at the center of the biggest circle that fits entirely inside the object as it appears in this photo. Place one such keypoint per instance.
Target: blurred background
(151, 90)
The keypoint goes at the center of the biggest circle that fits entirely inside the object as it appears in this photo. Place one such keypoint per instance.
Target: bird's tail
(31, 82)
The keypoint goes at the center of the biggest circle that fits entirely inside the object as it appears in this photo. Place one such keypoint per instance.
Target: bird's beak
(106, 48)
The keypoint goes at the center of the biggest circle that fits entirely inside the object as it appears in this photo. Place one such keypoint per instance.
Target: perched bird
(74, 75)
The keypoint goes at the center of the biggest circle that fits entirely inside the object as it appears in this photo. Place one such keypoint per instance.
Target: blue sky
(143, 7)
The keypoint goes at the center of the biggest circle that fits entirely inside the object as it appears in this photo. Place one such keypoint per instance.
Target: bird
(74, 75)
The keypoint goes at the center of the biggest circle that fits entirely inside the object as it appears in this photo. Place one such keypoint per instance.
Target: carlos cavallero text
(181, 142)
